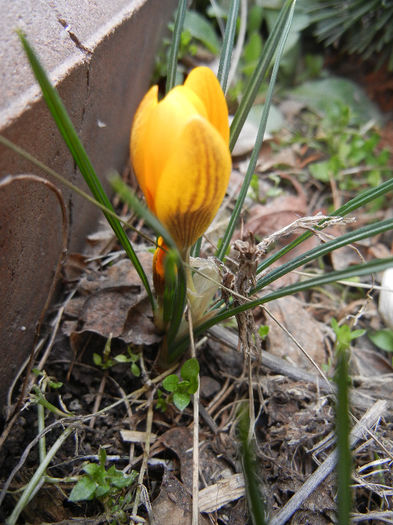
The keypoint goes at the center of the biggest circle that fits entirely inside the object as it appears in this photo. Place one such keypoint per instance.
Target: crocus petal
(204, 83)
(193, 182)
(138, 139)
(165, 123)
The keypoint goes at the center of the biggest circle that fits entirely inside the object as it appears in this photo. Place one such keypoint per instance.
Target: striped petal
(163, 127)
(193, 182)
(204, 83)
(138, 139)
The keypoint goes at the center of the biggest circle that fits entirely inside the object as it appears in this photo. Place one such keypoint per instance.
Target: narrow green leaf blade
(175, 43)
(260, 72)
(227, 45)
(342, 430)
(247, 449)
(81, 158)
(258, 143)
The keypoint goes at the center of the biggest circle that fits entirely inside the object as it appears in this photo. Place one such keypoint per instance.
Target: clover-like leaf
(181, 400)
(170, 383)
(190, 369)
(83, 490)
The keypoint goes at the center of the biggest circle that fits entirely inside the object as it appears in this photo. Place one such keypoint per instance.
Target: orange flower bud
(180, 154)
(159, 267)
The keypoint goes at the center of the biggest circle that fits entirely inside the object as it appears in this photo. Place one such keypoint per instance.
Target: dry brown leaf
(379, 251)
(173, 504)
(139, 327)
(121, 273)
(116, 304)
(122, 313)
(102, 240)
(292, 313)
(281, 211)
(105, 311)
(283, 157)
(265, 219)
(74, 267)
(179, 440)
(368, 362)
(345, 257)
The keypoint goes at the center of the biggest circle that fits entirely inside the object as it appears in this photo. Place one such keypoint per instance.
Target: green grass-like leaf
(175, 43)
(248, 457)
(227, 45)
(80, 156)
(260, 135)
(342, 429)
(260, 71)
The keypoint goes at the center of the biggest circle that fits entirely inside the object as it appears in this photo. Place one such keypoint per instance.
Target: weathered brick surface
(100, 55)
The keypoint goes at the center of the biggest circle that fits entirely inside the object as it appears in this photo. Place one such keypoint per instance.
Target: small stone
(209, 387)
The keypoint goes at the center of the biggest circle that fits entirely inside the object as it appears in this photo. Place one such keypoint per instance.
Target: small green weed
(161, 401)
(344, 335)
(48, 380)
(107, 486)
(263, 331)
(132, 358)
(105, 360)
(197, 31)
(181, 391)
(351, 153)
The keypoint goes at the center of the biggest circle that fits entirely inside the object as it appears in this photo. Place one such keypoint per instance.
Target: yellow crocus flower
(180, 154)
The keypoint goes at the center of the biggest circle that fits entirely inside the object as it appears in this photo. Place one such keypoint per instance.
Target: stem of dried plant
(195, 451)
(146, 452)
(98, 399)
